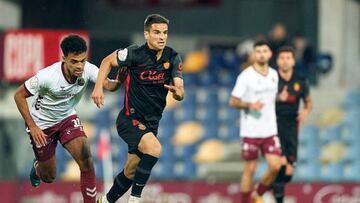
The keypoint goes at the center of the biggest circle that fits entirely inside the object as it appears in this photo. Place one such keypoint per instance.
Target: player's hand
(302, 116)
(177, 93)
(284, 94)
(38, 136)
(98, 97)
(256, 106)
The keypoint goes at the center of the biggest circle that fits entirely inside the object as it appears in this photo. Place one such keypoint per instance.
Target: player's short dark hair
(73, 44)
(154, 18)
(286, 49)
(261, 43)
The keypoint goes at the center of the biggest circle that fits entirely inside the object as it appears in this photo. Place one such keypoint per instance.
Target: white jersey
(55, 97)
(251, 87)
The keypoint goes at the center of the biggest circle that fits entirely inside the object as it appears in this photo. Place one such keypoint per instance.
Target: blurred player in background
(255, 94)
(52, 116)
(153, 69)
(291, 90)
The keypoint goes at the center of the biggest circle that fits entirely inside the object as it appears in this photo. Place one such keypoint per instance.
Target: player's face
(75, 63)
(262, 54)
(157, 35)
(285, 61)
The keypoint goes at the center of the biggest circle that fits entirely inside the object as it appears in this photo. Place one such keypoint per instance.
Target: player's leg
(80, 150)
(74, 140)
(150, 147)
(44, 164)
(271, 150)
(44, 171)
(246, 181)
(249, 153)
(278, 185)
(289, 142)
(123, 180)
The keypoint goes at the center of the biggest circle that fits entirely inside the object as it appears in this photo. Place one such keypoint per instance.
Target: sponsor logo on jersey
(150, 75)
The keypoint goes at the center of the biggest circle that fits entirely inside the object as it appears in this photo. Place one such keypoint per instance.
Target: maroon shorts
(66, 130)
(250, 147)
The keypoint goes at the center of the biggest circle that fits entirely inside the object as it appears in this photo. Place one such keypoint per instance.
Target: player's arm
(303, 114)
(237, 103)
(177, 89)
(104, 70)
(113, 85)
(20, 99)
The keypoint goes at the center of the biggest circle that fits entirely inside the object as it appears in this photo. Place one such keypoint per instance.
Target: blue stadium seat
(185, 114)
(167, 117)
(207, 115)
(185, 170)
(352, 152)
(163, 170)
(190, 97)
(308, 151)
(351, 171)
(191, 79)
(308, 134)
(331, 172)
(307, 171)
(210, 130)
(226, 78)
(228, 132)
(184, 152)
(207, 79)
(331, 133)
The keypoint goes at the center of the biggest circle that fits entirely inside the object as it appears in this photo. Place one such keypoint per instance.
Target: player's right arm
(36, 133)
(104, 70)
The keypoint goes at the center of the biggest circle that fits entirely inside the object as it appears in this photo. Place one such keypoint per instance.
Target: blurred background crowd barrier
(201, 151)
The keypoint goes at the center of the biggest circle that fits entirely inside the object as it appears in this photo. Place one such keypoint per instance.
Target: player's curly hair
(154, 18)
(73, 44)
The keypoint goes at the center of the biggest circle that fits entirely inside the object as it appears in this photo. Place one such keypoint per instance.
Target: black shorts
(131, 131)
(288, 135)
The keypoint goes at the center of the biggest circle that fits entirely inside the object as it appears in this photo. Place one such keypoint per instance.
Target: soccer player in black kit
(292, 89)
(151, 71)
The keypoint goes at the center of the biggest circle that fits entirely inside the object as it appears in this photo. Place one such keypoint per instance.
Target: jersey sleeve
(240, 87)
(35, 83)
(177, 67)
(306, 89)
(125, 57)
(92, 72)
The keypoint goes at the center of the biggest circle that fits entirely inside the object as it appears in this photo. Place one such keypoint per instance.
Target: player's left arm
(307, 101)
(177, 88)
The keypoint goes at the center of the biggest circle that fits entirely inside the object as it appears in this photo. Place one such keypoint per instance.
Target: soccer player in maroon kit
(52, 116)
(152, 70)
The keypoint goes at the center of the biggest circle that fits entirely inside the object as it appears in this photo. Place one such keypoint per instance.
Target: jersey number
(38, 102)
(76, 122)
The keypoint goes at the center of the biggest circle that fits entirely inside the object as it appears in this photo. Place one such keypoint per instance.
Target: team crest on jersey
(166, 65)
(296, 87)
(34, 82)
(141, 126)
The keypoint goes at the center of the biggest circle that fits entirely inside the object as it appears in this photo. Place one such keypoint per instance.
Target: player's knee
(48, 177)
(86, 162)
(274, 167)
(153, 149)
(129, 171)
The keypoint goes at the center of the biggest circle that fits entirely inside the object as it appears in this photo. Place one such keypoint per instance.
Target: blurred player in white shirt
(57, 89)
(255, 95)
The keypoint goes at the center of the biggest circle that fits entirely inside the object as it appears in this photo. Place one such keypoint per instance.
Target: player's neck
(70, 78)
(263, 69)
(286, 74)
